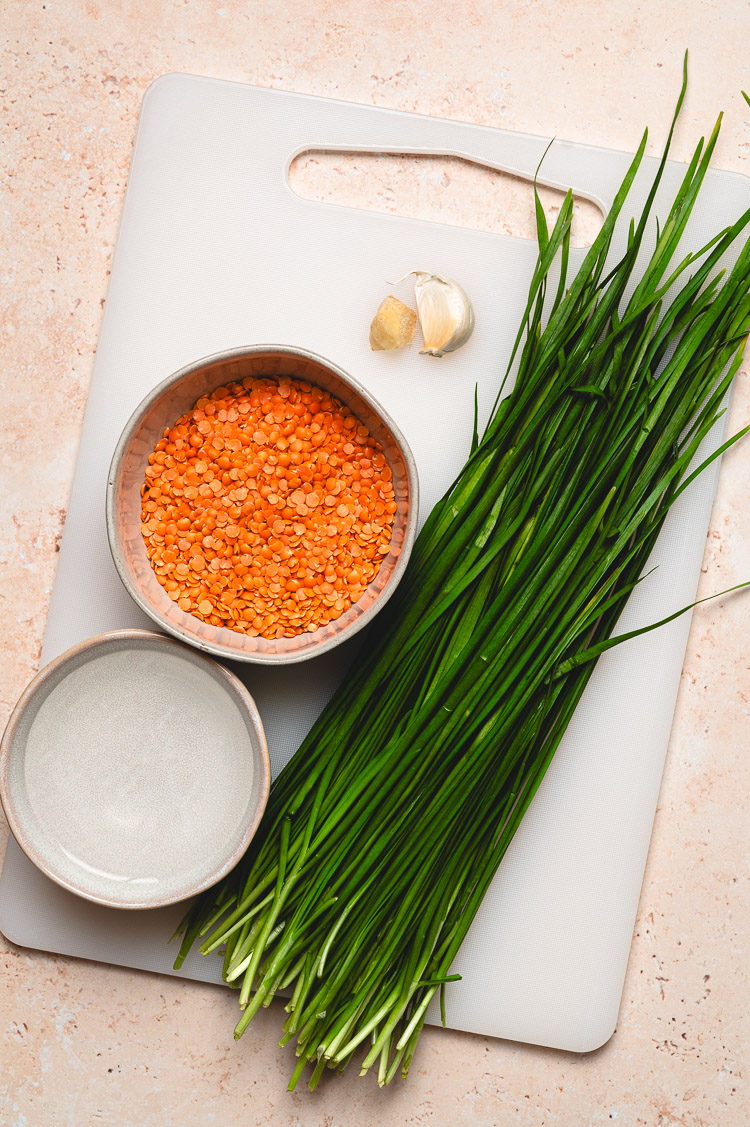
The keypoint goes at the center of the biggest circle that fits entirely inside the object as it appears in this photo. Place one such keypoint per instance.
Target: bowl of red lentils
(261, 505)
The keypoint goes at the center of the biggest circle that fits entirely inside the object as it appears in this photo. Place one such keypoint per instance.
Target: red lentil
(267, 508)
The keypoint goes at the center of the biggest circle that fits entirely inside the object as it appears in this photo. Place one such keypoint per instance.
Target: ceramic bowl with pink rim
(134, 770)
(174, 398)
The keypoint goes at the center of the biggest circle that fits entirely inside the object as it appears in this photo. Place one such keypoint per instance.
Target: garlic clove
(393, 325)
(446, 316)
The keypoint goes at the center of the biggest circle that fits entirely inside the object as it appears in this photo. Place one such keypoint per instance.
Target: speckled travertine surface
(82, 1043)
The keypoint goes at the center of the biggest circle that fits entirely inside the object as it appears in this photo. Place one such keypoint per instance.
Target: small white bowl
(134, 770)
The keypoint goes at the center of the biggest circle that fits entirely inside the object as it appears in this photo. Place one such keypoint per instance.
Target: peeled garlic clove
(393, 325)
(446, 316)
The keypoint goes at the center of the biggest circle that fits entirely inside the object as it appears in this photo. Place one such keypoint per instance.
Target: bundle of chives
(384, 831)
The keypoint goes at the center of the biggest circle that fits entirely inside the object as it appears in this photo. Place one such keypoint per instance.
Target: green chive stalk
(386, 828)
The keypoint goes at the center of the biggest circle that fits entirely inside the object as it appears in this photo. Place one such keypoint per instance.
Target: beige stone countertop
(82, 1043)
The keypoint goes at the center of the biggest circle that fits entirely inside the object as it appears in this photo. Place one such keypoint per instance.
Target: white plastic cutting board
(215, 250)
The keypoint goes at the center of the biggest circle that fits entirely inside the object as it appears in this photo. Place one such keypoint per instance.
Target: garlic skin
(446, 316)
(393, 325)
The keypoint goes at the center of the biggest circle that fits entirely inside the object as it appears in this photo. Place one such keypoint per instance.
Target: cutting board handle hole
(442, 189)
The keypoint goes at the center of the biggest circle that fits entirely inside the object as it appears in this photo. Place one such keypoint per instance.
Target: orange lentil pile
(268, 508)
